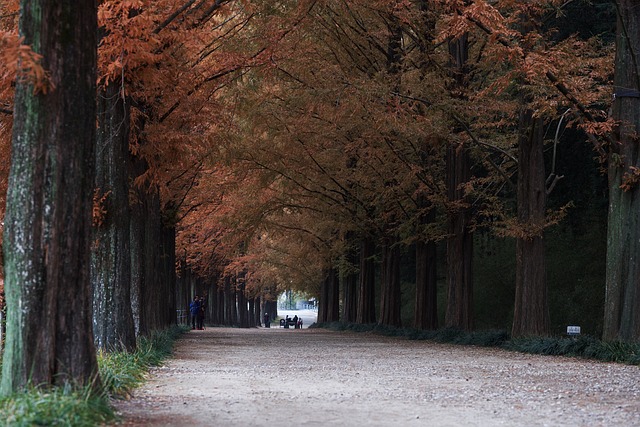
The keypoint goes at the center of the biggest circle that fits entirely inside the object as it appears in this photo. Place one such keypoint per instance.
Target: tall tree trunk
(243, 308)
(323, 300)
(229, 300)
(426, 306)
(136, 234)
(113, 326)
(367, 286)
(329, 308)
(350, 297)
(150, 295)
(622, 300)
(459, 312)
(153, 261)
(271, 307)
(167, 305)
(47, 236)
(390, 285)
(234, 304)
(350, 283)
(333, 306)
(531, 312)
(220, 312)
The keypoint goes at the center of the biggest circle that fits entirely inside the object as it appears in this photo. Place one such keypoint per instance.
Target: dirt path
(276, 377)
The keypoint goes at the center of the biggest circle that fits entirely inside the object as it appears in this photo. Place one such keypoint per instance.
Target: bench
(285, 324)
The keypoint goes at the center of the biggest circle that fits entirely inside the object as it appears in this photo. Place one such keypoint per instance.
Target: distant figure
(267, 320)
(194, 309)
(295, 321)
(201, 313)
(286, 322)
(300, 323)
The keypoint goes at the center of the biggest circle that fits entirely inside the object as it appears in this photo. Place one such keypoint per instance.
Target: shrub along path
(312, 377)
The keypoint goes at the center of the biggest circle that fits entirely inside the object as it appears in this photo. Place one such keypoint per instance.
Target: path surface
(286, 377)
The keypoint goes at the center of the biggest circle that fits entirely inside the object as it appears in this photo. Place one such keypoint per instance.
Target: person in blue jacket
(194, 308)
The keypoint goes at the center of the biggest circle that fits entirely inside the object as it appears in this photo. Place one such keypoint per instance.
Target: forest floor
(310, 377)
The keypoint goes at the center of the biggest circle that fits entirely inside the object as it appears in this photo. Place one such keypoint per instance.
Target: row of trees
(303, 143)
(420, 123)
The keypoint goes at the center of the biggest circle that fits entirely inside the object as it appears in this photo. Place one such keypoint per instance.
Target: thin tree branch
(173, 16)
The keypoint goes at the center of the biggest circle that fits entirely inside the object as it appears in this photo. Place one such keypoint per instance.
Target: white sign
(573, 330)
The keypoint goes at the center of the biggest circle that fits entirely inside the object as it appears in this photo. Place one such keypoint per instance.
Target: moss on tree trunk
(48, 218)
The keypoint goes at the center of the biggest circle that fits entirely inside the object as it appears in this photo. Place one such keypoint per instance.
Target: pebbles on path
(310, 377)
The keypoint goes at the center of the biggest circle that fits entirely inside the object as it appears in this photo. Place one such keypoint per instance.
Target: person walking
(267, 320)
(194, 309)
(201, 313)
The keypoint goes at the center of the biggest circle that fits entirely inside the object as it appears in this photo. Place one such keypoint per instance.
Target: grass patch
(120, 372)
(55, 407)
(583, 346)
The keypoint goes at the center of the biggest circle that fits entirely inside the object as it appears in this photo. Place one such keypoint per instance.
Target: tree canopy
(261, 147)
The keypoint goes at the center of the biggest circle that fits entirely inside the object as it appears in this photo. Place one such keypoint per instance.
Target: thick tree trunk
(531, 312)
(228, 302)
(367, 286)
(329, 304)
(136, 233)
(49, 338)
(156, 292)
(219, 318)
(390, 285)
(426, 306)
(622, 301)
(167, 305)
(333, 306)
(183, 290)
(271, 308)
(113, 326)
(233, 303)
(153, 259)
(350, 297)
(254, 312)
(322, 300)
(243, 307)
(350, 284)
(459, 312)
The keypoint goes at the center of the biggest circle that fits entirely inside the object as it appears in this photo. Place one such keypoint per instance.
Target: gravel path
(278, 377)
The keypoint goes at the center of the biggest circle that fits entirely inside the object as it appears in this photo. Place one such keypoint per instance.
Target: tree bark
(390, 285)
(49, 338)
(350, 284)
(243, 308)
(622, 300)
(234, 305)
(531, 312)
(329, 304)
(459, 312)
(367, 285)
(113, 326)
(228, 301)
(426, 306)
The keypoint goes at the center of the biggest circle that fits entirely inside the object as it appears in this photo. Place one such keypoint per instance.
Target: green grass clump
(582, 346)
(56, 407)
(120, 372)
